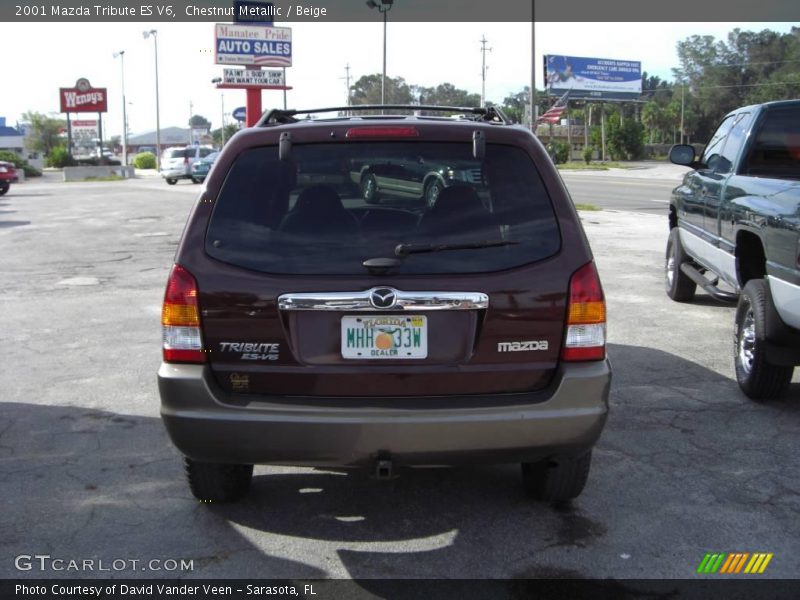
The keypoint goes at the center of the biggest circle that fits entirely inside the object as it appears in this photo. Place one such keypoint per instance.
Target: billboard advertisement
(85, 133)
(252, 45)
(83, 98)
(601, 78)
(253, 77)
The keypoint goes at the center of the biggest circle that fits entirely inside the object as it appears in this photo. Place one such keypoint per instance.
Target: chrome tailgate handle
(383, 299)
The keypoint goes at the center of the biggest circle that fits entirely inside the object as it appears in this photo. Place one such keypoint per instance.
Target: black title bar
(333, 11)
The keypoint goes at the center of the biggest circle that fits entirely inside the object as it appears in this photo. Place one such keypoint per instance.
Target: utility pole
(602, 132)
(191, 129)
(222, 104)
(484, 50)
(587, 122)
(284, 88)
(683, 88)
(347, 81)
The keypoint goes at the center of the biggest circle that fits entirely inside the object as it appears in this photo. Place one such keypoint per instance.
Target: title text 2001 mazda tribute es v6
(305, 326)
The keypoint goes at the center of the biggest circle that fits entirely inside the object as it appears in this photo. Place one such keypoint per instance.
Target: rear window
(333, 206)
(179, 153)
(776, 150)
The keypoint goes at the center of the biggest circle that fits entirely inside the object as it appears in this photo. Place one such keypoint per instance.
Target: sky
(46, 56)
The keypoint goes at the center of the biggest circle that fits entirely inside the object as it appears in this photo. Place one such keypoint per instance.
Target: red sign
(83, 98)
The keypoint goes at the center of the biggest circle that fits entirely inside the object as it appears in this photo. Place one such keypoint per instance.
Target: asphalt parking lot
(686, 465)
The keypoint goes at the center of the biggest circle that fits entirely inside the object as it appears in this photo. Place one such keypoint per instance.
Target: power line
(748, 64)
(714, 87)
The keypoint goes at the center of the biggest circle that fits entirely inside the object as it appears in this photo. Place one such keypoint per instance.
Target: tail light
(382, 132)
(586, 317)
(185, 160)
(180, 319)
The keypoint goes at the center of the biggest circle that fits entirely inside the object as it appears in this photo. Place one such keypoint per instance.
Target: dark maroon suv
(304, 325)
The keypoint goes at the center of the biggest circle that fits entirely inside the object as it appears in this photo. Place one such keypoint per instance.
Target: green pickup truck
(735, 223)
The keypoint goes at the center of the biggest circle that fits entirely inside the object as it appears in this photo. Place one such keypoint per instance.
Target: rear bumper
(296, 431)
(177, 173)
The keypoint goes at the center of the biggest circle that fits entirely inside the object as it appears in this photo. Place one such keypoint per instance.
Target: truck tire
(369, 189)
(557, 479)
(758, 378)
(212, 482)
(678, 285)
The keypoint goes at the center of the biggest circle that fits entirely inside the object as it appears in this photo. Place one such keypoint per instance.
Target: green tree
(145, 160)
(515, 105)
(230, 130)
(652, 117)
(367, 90)
(446, 94)
(745, 68)
(43, 133)
(199, 122)
(624, 139)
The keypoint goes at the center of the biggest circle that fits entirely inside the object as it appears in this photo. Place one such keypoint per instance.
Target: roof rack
(490, 114)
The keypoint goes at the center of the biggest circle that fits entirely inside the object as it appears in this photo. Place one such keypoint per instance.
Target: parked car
(303, 325)
(201, 167)
(8, 175)
(176, 163)
(735, 220)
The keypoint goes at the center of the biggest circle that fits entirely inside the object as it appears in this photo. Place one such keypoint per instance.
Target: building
(13, 140)
(170, 137)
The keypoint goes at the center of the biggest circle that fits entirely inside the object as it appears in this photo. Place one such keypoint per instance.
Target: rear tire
(557, 479)
(432, 191)
(172, 181)
(369, 189)
(4, 187)
(678, 285)
(212, 482)
(758, 378)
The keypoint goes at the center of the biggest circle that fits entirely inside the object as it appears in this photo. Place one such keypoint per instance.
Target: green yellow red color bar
(734, 562)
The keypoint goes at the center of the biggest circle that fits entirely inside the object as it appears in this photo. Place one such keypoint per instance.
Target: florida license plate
(381, 337)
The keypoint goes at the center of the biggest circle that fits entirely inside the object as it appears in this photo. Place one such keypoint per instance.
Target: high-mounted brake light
(384, 132)
(180, 319)
(586, 317)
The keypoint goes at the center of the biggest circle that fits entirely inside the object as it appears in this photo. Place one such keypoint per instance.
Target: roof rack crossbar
(284, 116)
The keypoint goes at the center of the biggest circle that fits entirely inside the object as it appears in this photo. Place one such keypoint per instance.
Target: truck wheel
(212, 482)
(432, 191)
(369, 189)
(679, 287)
(171, 181)
(557, 479)
(758, 378)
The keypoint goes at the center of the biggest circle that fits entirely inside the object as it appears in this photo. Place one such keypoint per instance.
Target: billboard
(85, 133)
(83, 98)
(601, 78)
(252, 45)
(253, 77)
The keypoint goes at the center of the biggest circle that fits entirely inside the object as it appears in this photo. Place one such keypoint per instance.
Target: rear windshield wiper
(403, 250)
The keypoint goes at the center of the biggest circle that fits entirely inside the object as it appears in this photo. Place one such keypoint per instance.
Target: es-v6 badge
(252, 350)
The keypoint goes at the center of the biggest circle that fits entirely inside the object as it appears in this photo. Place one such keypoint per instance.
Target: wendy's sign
(83, 98)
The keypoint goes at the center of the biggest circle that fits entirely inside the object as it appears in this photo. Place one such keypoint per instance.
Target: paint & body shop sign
(83, 98)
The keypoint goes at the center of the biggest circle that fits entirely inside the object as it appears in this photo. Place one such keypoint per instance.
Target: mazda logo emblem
(383, 297)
